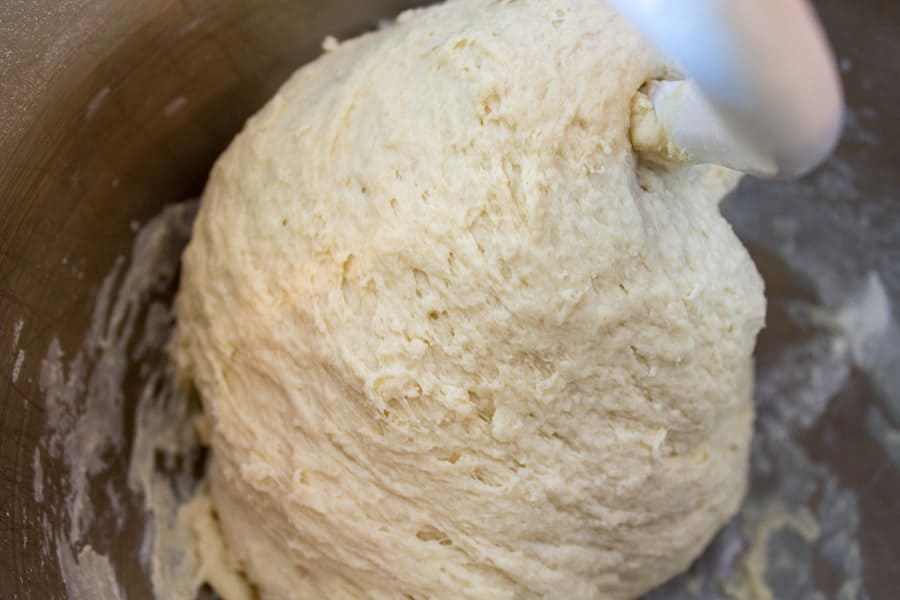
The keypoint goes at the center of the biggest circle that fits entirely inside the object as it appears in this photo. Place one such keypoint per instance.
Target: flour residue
(17, 365)
(163, 470)
(96, 102)
(17, 332)
(38, 469)
(121, 358)
(174, 106)
(19, 353)
(88, 574)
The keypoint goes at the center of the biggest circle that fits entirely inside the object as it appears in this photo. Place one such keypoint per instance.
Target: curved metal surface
(110, 110)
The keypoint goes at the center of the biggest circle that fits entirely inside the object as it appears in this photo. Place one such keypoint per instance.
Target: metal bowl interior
(112, 110)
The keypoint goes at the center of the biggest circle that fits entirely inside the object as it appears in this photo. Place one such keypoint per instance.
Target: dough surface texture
(452, 338)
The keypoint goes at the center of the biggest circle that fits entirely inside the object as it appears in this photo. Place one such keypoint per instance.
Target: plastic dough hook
(764, 94)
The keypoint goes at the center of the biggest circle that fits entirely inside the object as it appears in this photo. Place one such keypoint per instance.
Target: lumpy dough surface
(453, 339)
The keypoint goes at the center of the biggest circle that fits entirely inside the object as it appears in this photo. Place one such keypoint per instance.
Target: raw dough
(452, 339)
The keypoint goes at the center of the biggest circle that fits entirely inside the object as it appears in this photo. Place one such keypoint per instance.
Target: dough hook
(763, 96)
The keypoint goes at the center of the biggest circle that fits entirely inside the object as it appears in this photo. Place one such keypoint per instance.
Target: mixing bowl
(111, 111)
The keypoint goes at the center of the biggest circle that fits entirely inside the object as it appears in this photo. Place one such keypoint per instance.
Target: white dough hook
(764, 94)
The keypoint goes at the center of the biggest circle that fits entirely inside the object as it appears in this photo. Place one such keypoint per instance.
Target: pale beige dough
(452, 340)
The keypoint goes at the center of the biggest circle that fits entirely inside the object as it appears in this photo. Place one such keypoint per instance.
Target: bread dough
(453, 340)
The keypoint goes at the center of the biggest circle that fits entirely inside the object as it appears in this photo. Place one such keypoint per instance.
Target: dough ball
(453, 340)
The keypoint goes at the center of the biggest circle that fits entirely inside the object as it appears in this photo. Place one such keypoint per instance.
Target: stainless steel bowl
(111, 110)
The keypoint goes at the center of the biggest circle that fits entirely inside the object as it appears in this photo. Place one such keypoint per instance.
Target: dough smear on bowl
(453, 339)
